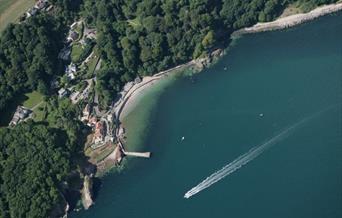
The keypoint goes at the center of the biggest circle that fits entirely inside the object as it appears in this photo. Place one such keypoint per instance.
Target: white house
(70, 71)
(62, 92)
(31, 12)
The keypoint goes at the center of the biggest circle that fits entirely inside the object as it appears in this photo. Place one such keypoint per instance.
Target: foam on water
(245, 158)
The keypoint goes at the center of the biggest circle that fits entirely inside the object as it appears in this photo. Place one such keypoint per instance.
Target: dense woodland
(143, 37)
(135, 37)
(34, 160)
(33, 164)
(28, 57)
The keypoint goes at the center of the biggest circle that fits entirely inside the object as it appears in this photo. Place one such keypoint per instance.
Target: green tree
(208, 40)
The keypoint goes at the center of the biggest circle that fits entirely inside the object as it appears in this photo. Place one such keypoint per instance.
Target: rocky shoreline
(87, 200)
(290, 21)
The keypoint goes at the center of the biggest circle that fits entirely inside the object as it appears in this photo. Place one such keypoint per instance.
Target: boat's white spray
(244, 159)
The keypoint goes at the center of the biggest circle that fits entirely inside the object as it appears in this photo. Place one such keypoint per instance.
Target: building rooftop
(73, 35)
(41, 4)
(20, 114)
(99, 134)
(62, 92)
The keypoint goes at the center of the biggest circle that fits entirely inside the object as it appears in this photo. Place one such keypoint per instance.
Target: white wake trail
(243, 159)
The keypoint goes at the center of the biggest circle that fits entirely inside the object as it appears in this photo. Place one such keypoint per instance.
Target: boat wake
(244, 159)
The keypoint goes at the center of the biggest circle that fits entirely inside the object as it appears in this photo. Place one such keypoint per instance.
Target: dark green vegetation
(67, 10)
(144, 37)
(29, 51)
(33, 163)
(28, 57)
(134, 38)
(307, 5)
(35, 158)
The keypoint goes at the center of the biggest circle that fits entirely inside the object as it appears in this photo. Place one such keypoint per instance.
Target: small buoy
(261, 115)
(183, 138)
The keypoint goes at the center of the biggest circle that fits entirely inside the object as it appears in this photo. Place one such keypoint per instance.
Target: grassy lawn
(92, 64)
(76, 52)
(105, 153)
(28, 100)
(11, 10)
(5, 4)
(39, 112)
(33, 99)
(99, 154)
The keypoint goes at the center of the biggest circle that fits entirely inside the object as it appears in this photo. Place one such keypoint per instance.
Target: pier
(133, 154)
(138, 154)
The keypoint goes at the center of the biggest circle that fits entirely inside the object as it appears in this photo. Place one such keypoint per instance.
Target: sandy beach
(134, 94)
(290, 21)
(147, 82)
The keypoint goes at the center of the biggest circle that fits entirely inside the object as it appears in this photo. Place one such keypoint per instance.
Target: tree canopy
(33, 163)
(35, 158)
(28, 56)
(143, 37)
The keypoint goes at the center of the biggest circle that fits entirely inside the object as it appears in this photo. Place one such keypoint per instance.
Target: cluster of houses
(103, 127)
(40, 5)
(65, 53)
(73, 36)
(75, 96)
(100, 133)
(71, 69)
(20, 114)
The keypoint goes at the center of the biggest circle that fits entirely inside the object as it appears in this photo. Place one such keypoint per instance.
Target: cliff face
(87, 200)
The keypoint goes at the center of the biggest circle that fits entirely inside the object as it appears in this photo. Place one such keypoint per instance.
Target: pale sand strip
(291, 20)
(140, 88)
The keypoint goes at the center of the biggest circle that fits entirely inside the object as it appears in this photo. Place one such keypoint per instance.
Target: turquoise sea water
(286, 76)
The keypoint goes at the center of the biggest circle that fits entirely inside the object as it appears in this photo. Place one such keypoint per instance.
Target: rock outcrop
(87, 200)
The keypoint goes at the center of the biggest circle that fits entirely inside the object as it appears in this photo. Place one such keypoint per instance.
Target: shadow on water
(72, 197)
(97, 183)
